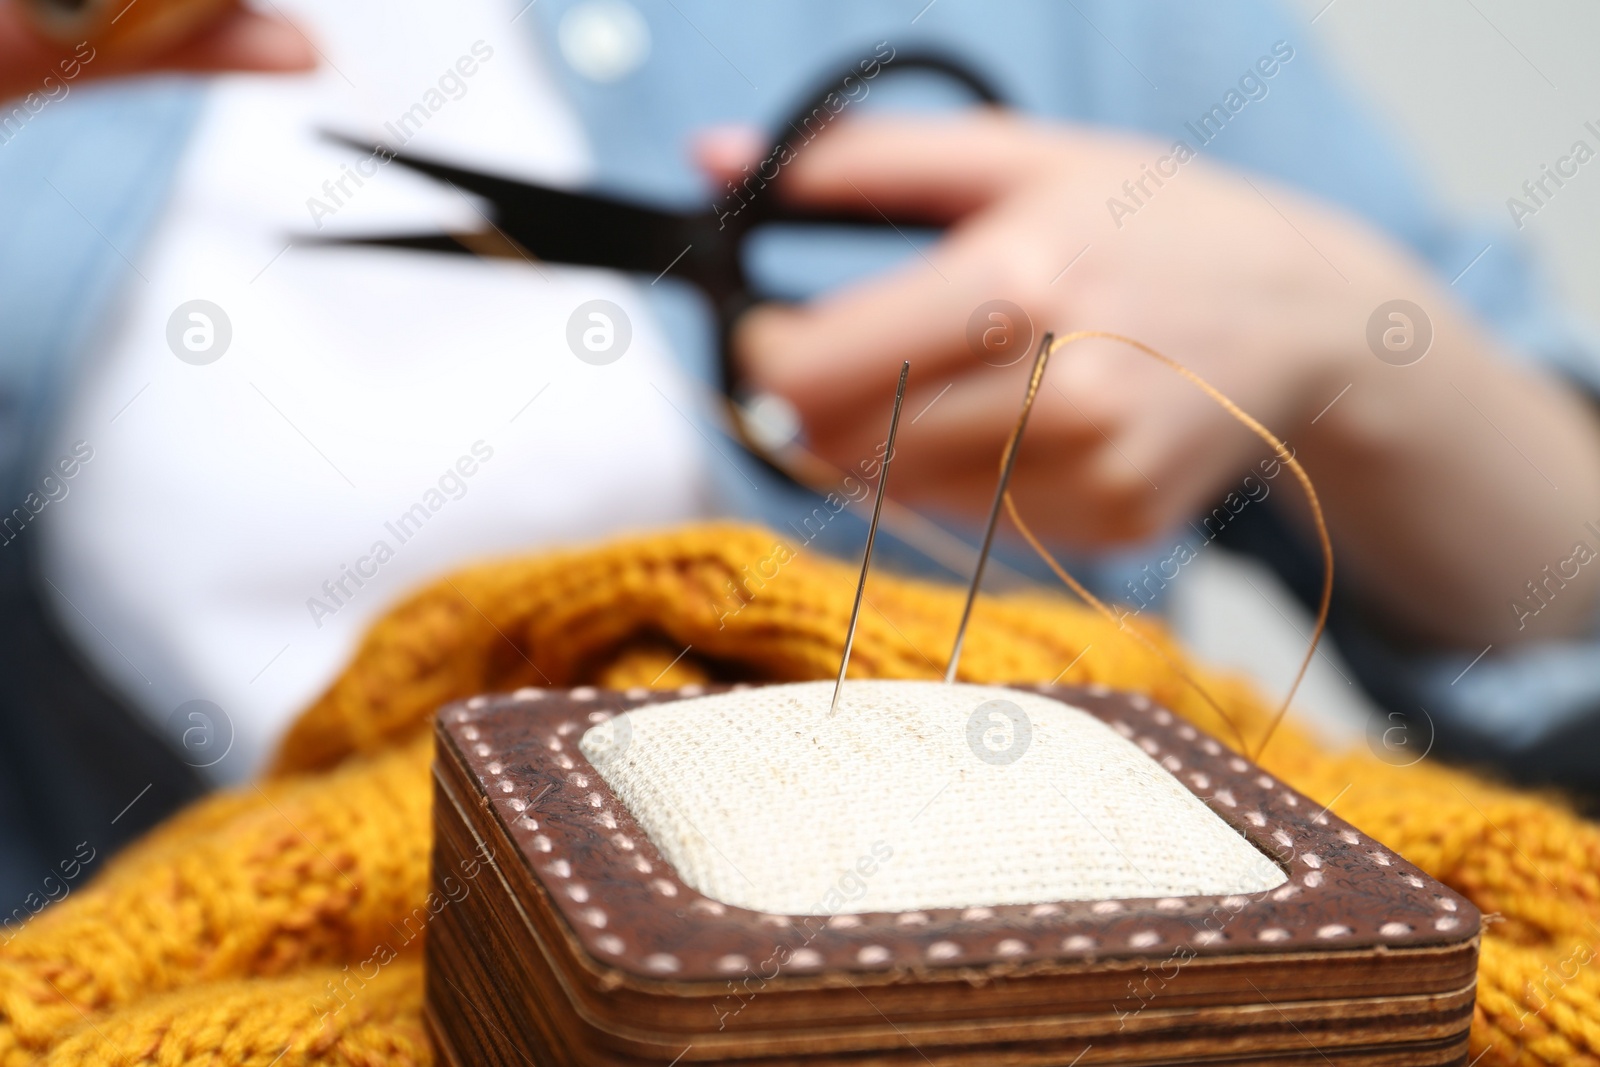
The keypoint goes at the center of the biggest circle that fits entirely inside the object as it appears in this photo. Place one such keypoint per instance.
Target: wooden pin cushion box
(564, 937)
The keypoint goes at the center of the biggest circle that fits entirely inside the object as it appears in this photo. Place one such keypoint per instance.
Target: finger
(26, 56)
(844, 348)
(952, 424)
(939, 168)
(843, 352)
(1066, 501)
(244, 41)
(723, 152)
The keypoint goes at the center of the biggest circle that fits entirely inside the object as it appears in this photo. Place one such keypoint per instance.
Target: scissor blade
(555, 224)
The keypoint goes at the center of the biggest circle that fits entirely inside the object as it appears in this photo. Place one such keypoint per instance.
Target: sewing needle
(999, 497)
(872, 534)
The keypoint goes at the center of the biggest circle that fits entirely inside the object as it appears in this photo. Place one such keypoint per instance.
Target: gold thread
(1283, 454)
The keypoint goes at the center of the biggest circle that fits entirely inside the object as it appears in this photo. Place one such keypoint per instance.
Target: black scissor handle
(740, 295)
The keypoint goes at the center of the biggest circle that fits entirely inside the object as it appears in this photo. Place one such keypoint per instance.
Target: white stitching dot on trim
(943, 950)
(872, 955)
(1144, 939)
(662, 962)
(1011, 946)
(583, 692)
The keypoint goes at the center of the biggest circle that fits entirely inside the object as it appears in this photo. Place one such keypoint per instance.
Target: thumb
(934, 167)
(937, 168)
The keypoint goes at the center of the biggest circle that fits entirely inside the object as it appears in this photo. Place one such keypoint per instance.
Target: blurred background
(1482, 93)
(1479, 94)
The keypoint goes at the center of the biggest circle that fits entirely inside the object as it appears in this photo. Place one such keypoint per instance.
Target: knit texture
(925, 795)
(280, 923)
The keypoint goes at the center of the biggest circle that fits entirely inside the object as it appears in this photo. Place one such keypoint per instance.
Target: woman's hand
(238, 40)
(1263, 292)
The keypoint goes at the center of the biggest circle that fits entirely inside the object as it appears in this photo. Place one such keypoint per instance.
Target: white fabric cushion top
(914, 795)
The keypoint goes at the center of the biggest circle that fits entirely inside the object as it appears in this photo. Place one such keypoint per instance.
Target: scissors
(704, 248)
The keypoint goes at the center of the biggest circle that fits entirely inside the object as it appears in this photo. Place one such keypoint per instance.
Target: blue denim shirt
(81, 183)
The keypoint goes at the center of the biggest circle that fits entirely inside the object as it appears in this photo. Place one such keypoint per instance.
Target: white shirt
(192, 553)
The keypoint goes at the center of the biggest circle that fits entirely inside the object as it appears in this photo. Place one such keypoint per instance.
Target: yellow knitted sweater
(215, 939)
